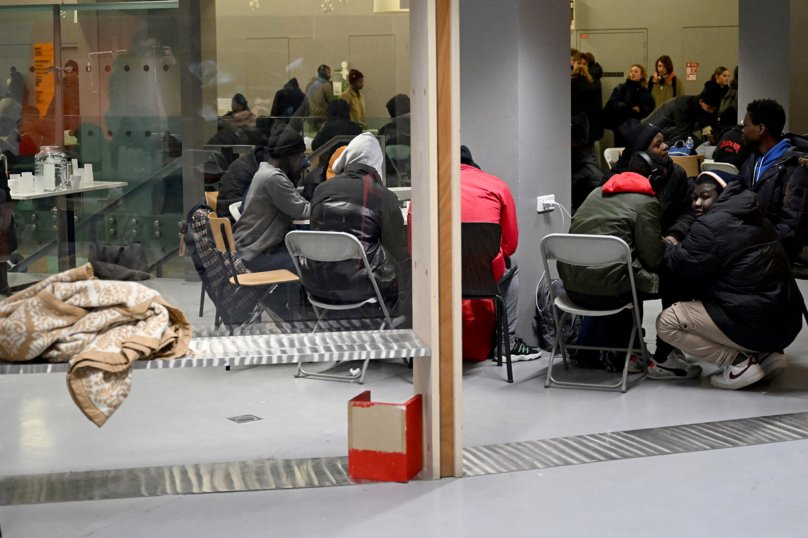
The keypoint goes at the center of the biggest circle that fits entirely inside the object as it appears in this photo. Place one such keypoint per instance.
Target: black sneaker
(523, 352)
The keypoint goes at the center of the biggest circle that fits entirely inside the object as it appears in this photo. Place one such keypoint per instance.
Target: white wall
(310, 38)
(514, 102)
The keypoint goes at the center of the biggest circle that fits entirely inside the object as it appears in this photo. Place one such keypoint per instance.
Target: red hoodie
(628, 182)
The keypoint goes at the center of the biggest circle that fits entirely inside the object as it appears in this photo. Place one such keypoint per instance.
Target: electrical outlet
(545, 203)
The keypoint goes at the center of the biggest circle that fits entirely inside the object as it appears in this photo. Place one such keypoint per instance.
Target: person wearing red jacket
(486, 198)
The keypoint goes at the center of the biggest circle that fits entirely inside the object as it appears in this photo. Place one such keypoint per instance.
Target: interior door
(615, 51)
(710, 47)
(375, 57)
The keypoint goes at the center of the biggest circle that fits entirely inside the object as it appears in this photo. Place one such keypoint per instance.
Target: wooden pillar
(434, 54)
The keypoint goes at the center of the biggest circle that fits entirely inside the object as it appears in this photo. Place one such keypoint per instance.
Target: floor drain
(241, 419)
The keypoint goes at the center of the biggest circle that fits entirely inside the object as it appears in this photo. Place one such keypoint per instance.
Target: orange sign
(44, 73)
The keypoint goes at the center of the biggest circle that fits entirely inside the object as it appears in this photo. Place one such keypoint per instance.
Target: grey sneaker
(673, 368)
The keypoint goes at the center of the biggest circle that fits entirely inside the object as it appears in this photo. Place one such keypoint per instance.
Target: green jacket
(624, 207)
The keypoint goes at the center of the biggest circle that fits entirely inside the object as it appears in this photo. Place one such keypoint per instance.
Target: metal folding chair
(591, 251)
(332, 247)
(722, 167)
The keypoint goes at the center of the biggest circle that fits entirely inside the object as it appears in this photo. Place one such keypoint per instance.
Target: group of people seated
(716, 249)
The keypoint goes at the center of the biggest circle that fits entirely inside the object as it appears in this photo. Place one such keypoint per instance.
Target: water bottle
(689, 145)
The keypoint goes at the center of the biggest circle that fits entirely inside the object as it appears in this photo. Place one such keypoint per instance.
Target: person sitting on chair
(627, 206)
(749, 306)
(356, 202)
(272, 203)
(486, 198)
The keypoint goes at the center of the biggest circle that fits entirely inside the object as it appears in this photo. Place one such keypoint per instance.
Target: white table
(65, 212)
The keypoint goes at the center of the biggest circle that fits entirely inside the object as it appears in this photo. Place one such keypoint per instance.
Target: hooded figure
(356, 202)
(586, 174)
(397, 132)
(338, 124)
(287, 100)
(675, 200)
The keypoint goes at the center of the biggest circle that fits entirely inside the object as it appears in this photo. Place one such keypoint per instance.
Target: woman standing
(586, 99)
(728, 111)
(630, 100)
(665, 85)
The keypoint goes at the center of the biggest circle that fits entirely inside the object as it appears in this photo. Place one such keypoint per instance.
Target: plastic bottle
(689, 145)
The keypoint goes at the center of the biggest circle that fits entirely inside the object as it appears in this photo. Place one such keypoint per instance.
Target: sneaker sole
(716, 381)
(523, 358)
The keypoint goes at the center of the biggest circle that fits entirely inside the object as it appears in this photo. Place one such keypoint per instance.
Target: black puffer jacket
(745, 279)
(586, 98)
(783, 188)
(620, 107)
(676, 200)
(679, 118)
(356, 202)
(237, 179)
(586, 176)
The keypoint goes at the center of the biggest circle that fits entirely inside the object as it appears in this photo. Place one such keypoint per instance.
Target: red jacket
(483, 198)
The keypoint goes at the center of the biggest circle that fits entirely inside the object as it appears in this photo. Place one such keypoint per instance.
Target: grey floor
(179, 416)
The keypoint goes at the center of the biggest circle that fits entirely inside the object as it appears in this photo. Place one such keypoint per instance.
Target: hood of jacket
(737, 201)
(364, 149)
(596, 71)
(763, 162)
(338, 108)
(628, 182)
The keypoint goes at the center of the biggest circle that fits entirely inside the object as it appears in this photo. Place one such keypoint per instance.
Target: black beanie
(638, 136)
(711, 94)
(465, 157)
(580, 129)
(285, 141)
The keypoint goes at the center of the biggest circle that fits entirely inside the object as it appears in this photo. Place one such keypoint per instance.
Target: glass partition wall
(160, 122)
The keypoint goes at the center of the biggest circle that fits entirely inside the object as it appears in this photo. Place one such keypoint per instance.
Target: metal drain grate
(243, 419)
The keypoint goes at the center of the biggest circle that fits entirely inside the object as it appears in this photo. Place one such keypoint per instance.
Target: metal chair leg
(498, 333)
(202, 301)
(353, 378)
(505, 337)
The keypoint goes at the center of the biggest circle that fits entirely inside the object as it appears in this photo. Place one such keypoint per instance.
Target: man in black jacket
(749, 305)
(679, 117)
(774, 173)
(676, 199)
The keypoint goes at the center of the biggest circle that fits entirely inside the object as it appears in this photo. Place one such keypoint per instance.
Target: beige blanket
(100, 327)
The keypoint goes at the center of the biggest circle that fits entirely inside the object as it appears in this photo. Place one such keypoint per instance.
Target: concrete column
(764, 58)
(515, 116)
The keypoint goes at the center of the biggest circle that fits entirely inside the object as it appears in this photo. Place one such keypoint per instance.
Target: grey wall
(763, 52)
(514, 102)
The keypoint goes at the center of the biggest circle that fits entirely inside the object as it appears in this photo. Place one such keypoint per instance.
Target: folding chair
(332, 247)
(480, 244)
(591, 251)
(223, 239)
(612, 155)
(722, 167)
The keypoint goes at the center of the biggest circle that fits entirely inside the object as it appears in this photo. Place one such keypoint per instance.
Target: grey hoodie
(271, 205)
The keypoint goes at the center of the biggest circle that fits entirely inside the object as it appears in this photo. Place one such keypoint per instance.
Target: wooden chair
(211, 197)
(223, 239)
(691, 164)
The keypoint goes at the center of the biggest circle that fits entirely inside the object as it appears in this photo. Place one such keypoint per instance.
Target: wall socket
(545, 203)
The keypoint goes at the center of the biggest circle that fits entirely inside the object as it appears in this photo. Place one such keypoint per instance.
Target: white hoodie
(364, 149)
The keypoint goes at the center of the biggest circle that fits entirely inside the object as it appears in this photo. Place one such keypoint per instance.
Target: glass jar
(53, 155)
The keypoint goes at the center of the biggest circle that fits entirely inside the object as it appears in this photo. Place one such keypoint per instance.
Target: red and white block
(385, 441)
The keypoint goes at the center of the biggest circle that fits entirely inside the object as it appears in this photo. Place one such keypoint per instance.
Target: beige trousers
(687, 326)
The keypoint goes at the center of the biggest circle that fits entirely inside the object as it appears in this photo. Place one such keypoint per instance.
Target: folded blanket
(100, 327)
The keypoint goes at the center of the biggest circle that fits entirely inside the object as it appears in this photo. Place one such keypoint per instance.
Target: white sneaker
(738, 376)
(773, 364)
(673, 368)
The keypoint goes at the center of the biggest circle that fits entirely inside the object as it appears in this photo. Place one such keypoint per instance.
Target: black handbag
(131, 256)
